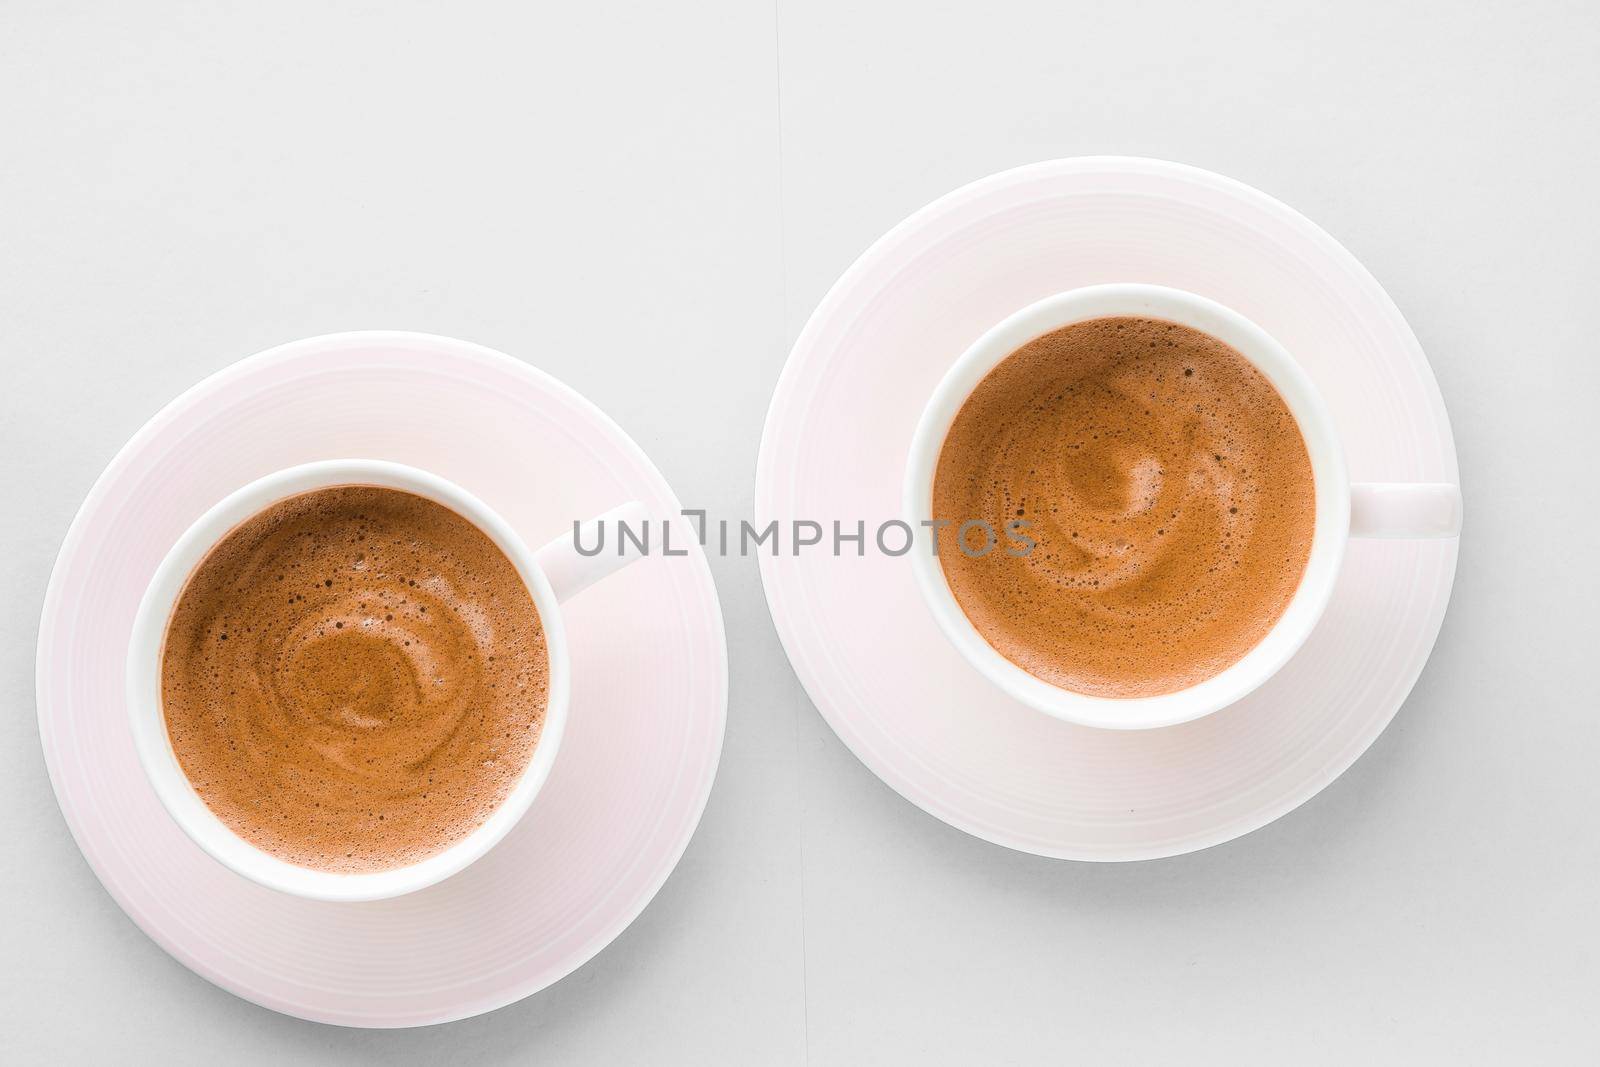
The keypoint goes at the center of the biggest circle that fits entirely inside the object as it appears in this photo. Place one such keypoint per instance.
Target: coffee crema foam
(354, 678)
(1168, 489)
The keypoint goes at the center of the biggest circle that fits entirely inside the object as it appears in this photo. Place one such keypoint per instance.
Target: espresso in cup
(1167, 494)
(354, 679)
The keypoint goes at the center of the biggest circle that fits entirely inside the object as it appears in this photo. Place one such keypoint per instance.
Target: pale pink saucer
(648, 705)
(865, 645)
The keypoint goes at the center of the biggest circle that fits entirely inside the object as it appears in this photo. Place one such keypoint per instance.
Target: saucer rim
(882, 250)
(51, 605)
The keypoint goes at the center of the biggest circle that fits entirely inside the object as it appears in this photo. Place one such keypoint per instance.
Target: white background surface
(647, 201)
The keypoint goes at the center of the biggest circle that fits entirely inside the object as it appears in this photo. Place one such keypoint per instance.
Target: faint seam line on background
(799, 697)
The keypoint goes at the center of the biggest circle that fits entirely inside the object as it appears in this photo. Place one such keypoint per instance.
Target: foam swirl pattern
(355, 678)
(1168, 492)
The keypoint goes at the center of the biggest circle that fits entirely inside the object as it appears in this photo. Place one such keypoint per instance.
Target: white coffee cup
(552, 574)
(1421, 510)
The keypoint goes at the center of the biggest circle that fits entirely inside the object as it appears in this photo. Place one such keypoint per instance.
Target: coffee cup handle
(595, 549)
(1416, 510)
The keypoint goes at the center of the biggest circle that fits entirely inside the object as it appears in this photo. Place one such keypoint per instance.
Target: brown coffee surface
(354, 678)
(1169, 493)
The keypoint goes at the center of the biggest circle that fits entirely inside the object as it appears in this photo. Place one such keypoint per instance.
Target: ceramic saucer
(649, 691)
(864, 644)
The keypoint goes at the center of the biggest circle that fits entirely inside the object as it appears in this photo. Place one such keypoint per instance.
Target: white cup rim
(148, 722)
(1329, 537)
